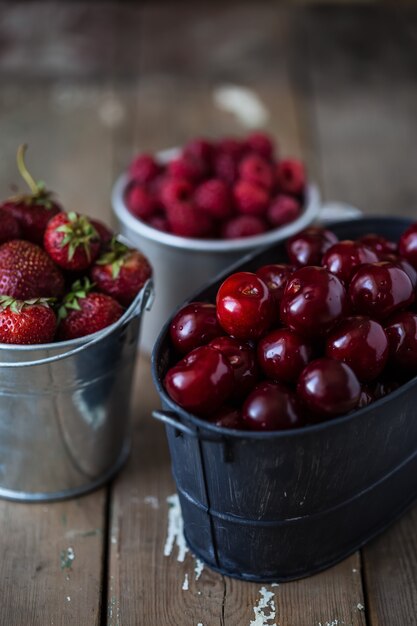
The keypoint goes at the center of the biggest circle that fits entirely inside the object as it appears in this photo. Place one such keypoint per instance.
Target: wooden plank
(51, 562)
(390, 568)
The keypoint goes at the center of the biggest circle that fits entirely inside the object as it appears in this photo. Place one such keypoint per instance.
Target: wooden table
(87, 85)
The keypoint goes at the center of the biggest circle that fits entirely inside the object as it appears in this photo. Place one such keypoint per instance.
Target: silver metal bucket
(64, 410)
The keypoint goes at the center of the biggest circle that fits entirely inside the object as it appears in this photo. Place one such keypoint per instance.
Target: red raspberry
(261, 144)
(225, 167)
(256, 169)
(250, 199)
(291, 177)
(159, 222)
(214, 198)
(284, 209)
(243, 226)
(203, 151)
(175, 190)
(186, 167)
(144, 168)
(232, 146)
(139, 201)
(186, 221)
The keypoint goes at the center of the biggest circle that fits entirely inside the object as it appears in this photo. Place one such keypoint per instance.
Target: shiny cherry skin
(201, 382)
(313, 301)
(193, 326)
(344, 257)
(401, 330)
(329, 388)
(245, 307)
(380, 289)
(408, 269)
(308, 247)
(272, 406)
(407, 246)
(283, 354)
(242, 358)
(380, 245)
(361, 343)
(276, 276)
(228, 417)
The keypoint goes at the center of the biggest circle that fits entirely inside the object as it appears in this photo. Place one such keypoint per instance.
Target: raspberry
(291, 177)
(284, 209)
(203, 151)
(186, 221)
(139, 201)
(187, 167)
(243, 226)
(235, 147)
(214, 198)
(256, 169)
(175, 190)
(225, 167)
(144, 168)
(250, 199)
(261, 144)
(159, 222)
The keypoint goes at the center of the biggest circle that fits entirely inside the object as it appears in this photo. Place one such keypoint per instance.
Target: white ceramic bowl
(183, 265)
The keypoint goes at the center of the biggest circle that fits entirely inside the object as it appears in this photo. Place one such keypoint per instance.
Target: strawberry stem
(24, 172)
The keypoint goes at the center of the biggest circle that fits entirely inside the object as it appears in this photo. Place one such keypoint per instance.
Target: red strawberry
(84, 312)
(26, 271)
(26, 321)
(9, 226)
(33, 211)
(72, 241)
(121, 272)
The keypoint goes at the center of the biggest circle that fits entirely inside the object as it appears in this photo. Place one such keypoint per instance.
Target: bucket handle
(142, 300)
(169, 418)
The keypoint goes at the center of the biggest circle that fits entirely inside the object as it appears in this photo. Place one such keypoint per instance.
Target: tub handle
(134, 310)
(166, 417)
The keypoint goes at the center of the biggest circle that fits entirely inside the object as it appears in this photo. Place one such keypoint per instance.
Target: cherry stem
(24, 172)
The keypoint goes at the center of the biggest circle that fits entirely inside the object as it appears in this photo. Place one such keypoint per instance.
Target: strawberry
(83, 311)
(34, 210)
(121, 272)
(26, 321)
(72, 241)
(26, 271)
(9, 226)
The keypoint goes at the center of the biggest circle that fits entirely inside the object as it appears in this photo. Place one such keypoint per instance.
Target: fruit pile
(301, 342)
(226, 189)
(62, 275)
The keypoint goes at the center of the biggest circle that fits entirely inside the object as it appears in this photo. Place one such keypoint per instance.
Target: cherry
(201, 382)
(193, 326)
(242, 359)
(271, 406)
(228, 417)
(362, 344)
(244, 306)
(407, 245)
(344, 257)
(314, 299)
(329, 387)
(308, 247)
(275, 276)
(283, 355)
(380, 245)
(401, 330)
(380, 289)
(408, 269)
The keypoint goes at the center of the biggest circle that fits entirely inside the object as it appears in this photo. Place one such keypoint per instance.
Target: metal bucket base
(66, 494)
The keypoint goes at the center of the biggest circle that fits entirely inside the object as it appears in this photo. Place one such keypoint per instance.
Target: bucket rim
(230, 433)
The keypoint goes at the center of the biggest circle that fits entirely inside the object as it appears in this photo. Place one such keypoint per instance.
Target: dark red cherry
(201, 382)
(380, 289)
(362, 344)
(408, 269)
(282, 354)
(329, 388)
(193, 326)
(245, 307)
(271, 406)
(380, 245)
(308, 247)
(228, 417)
(275, 276)
(314, 300)
(344, 257)
(242, 358)
(401, 330)
(407, 245)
